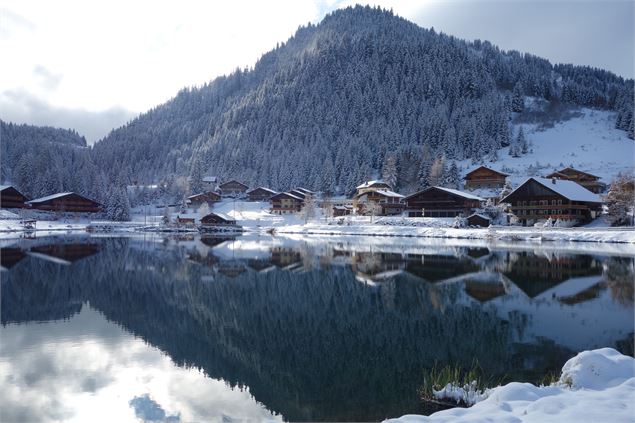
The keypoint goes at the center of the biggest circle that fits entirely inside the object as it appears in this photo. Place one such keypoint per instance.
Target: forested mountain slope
(327, 108)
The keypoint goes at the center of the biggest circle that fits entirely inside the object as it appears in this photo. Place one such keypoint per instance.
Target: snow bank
(595, 386)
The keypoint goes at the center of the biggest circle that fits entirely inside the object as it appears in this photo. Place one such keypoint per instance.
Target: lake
(267, 328)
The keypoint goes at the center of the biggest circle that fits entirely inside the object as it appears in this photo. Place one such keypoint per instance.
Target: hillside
(328, 108)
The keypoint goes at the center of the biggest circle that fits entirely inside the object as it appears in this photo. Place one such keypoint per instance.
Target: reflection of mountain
(302, 342)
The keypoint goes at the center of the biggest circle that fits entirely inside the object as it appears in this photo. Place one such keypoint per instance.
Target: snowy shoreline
(595, 386)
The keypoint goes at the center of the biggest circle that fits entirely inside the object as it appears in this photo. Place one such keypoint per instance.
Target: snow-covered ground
(588, 142)
(595, 386)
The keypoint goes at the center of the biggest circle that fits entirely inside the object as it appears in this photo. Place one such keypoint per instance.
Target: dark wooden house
(484, 177)
(441, 202)
(66, 202)
(11, 198)
(217, 219)
(339, 211)
(389, 203)
(232, 188)
(286, 203)
(539, 199)
(260, 194)
(478, 220)
(209, 197)
(587, 180)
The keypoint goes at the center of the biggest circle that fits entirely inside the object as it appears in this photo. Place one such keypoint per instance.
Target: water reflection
(306, 330)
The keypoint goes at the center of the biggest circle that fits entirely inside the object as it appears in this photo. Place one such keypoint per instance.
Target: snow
(389, 193)
(49, 197)
(264, 189)
(6, 214)
(595, 386)
(369, 184)
(568, 189)
(588, 142)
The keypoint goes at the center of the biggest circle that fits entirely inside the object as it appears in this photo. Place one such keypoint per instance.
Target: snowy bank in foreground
(595, 386)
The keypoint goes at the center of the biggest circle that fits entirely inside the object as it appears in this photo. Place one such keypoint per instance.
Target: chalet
(260, 194)
(390, 203)
(299, 193)
(339, 211)
(217, 220)
(286, 203)
(539, 199)
(66, 202)
(484, 177)
(209, 183)
(372, 186)
(232, 188)
(187, 222)
(587, 180)
(11, 198)
(208, 197)
(478, 220)
(441, 202)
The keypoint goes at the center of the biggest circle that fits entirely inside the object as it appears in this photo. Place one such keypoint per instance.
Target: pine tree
(389, 171)
(518, 98)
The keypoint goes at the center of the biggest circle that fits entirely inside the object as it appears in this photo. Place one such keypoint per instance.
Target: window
(553, 202)
(559, 202)
(553, 212)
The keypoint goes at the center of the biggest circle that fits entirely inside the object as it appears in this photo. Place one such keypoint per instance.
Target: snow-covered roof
(289, 195)
(480, 215)
(304, 190)
(224, 216)
(3, 187)
(487, 168)
(568, 189)
(209, 179)
(389, 193)
(460, 193)
(203, 193)
(50, 197)
(369, 184)
(264, 189)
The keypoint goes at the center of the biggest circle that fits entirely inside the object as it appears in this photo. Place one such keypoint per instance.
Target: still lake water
(215, 329)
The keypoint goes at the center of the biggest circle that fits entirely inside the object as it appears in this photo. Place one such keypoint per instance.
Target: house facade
(217, 219)
(66, 202)
(11, 198)
(587, 180)
(260, 194)
(209, 197)
(232, 188)
(441, 202)
(209, 183)
(372, 186)
(286, 203)
(539, 199)
(387, 203)
(484, 177)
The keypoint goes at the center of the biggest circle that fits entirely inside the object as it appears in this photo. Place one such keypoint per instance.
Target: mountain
(327, 108)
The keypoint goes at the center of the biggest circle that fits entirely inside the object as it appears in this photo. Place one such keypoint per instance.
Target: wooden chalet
(479, 220)
(390, 202)
(372, 186)
(539, 199)
(209, 183)
(484, 177)
(286, 203)
(208, 197)
(441, 202)
(218, 220)
(587, 180)
(232, 188)
(260, 194)
(339, 211)
(66, 202)
(11, 198)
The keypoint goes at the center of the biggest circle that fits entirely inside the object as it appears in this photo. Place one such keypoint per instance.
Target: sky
(93, 66)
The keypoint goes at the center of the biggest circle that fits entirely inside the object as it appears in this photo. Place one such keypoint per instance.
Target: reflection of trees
(618, 274)
(315, 345)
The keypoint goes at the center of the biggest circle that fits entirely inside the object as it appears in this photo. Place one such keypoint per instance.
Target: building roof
(262, 188)
(209, 179)
(460, 193)
(203, 193)
(233, 181)
(487, 168)
(569, 189)
(221, 215)
(480, 215)
(304, 190)
(288, 194)
(50, 197)
(3, 187)
(561, 172)
(389, 193)
(369, 184)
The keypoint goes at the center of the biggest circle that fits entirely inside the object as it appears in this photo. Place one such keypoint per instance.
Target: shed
(477, 219)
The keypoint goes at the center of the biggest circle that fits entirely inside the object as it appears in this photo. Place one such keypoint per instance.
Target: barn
(441, 202)
(11, 198)
(66, 202)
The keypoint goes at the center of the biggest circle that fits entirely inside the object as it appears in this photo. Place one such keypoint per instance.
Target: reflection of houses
(484, 177)
(64, 253)
(11, 198)
(536, 274)
(587, 180)
(285, 258)
(213, 241)
(575, 290)
(231, 268)
(66, 202)
(10, 256)
(484, 289)
(435, 268)
(441, 202)
(374, 267)
(208, 197)
(232, 188)
(260, 265)
(539, 199)
(260, 194)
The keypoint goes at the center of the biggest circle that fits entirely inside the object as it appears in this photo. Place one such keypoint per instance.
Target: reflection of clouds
(94, 376)
(147, 409)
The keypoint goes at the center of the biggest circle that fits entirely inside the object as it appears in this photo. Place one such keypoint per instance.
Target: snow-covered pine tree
(389, 171)
(518, 98)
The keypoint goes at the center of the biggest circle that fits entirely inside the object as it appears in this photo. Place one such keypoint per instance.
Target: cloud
(22, 106)
(48, 80)
(13, 23)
